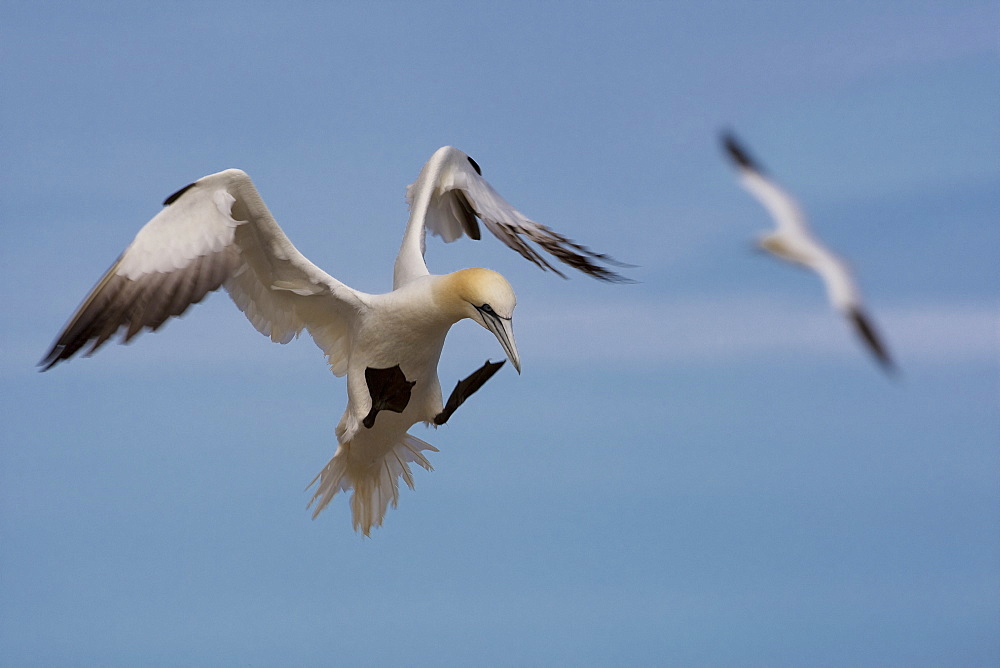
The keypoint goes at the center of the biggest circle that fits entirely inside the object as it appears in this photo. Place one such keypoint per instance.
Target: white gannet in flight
(792, 241)
(217, 232)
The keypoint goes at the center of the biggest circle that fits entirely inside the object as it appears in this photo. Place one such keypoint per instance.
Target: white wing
(216, 231)
(783, 208)
(844, 296)
(447, 198)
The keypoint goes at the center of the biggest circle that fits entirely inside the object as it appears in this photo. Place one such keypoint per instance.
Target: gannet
(792, 241)
(217, 232)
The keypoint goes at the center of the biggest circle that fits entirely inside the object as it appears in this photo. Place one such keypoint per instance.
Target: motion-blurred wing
(216, 231)
(782, 206)
(862, 324)
(845, 297)
(450, 195)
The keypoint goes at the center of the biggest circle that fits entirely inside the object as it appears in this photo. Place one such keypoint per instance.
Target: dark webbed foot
(389, 390)
(466, 388)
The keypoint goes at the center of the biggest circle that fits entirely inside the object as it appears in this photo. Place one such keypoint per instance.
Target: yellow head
(776, 245)
(485, 296)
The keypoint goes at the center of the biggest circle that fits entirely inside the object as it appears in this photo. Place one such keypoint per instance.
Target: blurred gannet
(217, 232)
(792, 241)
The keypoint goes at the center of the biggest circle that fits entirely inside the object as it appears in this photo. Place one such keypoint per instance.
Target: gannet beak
(502, 329)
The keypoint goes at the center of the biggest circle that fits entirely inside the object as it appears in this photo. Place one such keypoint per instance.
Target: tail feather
(375, 484)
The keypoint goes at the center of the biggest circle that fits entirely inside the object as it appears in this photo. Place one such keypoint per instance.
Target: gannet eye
(487, 312)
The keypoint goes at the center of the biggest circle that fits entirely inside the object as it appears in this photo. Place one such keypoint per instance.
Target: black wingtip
(47, 362)
(176, 196)
(55, 355)
(475, 166)
(867, 333)
(737, 153)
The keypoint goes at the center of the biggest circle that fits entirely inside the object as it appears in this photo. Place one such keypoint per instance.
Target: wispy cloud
(708, 330)
(725, 329)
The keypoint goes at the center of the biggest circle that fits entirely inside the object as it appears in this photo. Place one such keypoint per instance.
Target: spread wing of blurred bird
(792, 241)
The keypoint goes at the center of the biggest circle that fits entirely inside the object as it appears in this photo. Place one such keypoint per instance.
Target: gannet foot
(389, 390)
(466, 388)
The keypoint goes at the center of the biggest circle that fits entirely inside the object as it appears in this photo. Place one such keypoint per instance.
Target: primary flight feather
(217, 232)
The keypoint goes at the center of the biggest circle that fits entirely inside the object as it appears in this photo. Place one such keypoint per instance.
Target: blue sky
(701, 468)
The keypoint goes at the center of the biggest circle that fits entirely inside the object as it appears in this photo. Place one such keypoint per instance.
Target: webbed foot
(466, 388)
(389, 390)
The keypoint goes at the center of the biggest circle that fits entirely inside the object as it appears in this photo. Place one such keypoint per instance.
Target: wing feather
(863, 326)
(215, 232)
(448, 197)
(782, 206)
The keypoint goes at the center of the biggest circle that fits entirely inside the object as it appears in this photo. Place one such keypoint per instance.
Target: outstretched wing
(450, 195)
(783, 208)
(216, 231)
(844, 296)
